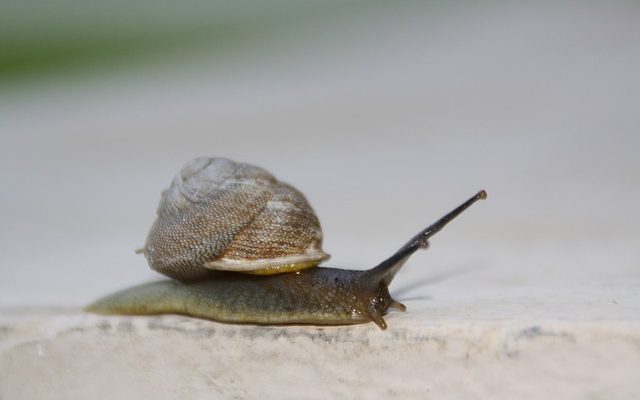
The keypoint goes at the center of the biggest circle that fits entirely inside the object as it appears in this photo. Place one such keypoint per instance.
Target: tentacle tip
(397, 305)
(482, 195)
(381, 324)
(376, 317)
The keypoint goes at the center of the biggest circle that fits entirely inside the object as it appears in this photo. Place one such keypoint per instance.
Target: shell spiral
(219, 214)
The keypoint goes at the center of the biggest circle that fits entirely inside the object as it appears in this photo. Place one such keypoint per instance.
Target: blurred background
(385, 114)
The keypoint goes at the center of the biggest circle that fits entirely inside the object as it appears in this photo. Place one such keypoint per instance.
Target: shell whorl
(219, 214)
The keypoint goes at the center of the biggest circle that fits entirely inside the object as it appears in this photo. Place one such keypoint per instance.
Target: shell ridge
(276, 236)
(239, 231)
(195, 198)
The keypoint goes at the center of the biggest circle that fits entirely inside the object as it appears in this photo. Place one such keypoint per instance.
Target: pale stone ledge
(66, 354)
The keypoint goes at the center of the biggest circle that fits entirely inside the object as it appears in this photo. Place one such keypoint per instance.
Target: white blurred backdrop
(385, 116)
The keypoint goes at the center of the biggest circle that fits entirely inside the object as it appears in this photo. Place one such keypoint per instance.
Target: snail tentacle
(386, 270)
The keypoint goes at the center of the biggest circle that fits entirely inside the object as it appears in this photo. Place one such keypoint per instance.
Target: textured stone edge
(62, 354)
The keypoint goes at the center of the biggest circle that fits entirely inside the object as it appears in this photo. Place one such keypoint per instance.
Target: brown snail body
(210, 282)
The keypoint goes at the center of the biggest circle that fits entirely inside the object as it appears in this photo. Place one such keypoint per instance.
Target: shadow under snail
(243, 247)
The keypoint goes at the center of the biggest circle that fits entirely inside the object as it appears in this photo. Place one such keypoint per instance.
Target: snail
(243, 247)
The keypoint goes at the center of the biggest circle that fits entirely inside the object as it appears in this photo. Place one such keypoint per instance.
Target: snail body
(322, 296)
(243, 247)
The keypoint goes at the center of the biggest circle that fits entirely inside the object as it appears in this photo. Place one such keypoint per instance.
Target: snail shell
(222, 215)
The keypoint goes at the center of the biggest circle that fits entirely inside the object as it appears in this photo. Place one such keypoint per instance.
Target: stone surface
(66, 354)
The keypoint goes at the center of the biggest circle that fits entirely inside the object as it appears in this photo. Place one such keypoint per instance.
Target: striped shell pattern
(222, 215)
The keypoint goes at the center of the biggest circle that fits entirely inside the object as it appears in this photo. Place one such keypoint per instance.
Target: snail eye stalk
(386, 270)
